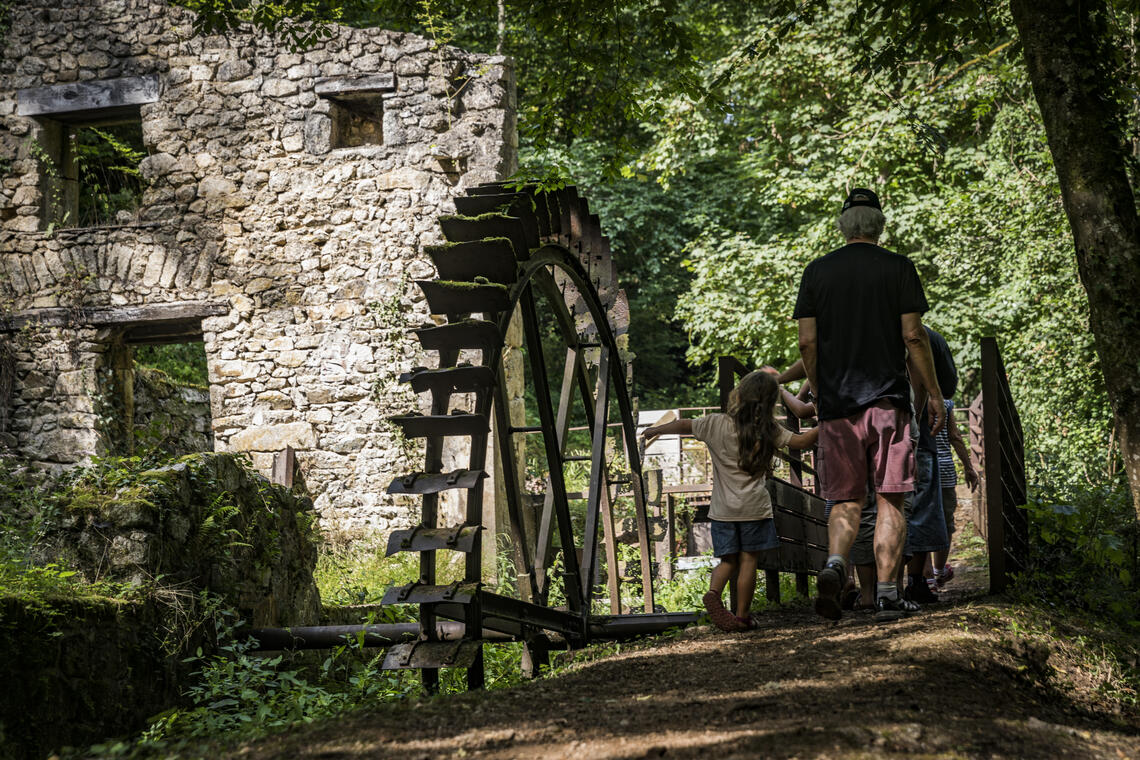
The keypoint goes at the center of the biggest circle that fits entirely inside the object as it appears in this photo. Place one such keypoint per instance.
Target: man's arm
(800, 409)
(919, 392)
(808, 346)
(963, 453)
(922, 364)
(794, 372)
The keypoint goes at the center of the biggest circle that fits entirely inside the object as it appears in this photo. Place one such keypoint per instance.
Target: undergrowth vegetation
(1083, 553)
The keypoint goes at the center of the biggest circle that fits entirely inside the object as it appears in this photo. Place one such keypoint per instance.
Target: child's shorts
(744, 536)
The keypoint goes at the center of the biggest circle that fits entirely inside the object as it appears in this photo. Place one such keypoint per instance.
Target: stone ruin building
(285, 200)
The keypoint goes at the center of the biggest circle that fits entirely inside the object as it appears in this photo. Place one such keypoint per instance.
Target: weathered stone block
(292, 358)
(215, 187)
(232, 70)
(279, 88)
(318, 134)
(299, 435)
(157, 165)
(234, 370)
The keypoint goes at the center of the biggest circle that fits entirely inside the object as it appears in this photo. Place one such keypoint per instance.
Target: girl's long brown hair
(751, 405)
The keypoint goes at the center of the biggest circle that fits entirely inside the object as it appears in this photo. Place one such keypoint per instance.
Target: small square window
(355, 110)
(354, 125)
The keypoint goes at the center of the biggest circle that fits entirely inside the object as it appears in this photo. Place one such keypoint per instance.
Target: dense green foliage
(107, 160)
(183, 363)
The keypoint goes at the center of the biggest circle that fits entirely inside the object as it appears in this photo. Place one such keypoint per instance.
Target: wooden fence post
(283, 464)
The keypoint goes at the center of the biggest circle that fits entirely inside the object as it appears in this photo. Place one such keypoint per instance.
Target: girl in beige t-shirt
(741, 445)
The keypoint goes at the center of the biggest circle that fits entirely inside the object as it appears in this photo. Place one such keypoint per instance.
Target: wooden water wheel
(519, 254)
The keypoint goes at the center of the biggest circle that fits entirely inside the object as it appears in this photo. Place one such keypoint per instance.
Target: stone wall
(204, 522)
(300, 254)
(172, 417)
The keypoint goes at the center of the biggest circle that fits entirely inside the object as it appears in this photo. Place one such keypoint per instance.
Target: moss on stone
(479, 282)
(489, 216)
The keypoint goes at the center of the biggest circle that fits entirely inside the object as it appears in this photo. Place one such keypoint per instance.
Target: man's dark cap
(861, 196)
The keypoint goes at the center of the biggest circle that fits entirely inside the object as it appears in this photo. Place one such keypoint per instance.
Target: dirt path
(950, 683)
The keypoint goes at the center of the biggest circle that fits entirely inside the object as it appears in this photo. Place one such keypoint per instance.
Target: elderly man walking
(860, 311)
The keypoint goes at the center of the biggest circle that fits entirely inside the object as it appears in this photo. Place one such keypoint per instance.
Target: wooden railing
(1000, 449)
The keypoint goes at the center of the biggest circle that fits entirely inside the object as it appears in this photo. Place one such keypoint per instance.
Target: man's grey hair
(861, 222)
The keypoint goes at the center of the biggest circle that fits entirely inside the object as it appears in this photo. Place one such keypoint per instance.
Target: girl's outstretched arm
(963, 453)
(676, 427)
(804, 440)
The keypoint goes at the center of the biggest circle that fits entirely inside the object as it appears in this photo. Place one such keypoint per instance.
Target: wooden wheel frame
(510, 253)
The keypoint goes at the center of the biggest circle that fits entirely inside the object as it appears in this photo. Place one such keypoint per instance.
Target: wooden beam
(991, 427)
(283, 464)
(354, 86)
(90, 316)
(87, 100)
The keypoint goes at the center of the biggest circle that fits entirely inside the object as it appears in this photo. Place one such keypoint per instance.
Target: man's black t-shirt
(857, 294)
(947, 375)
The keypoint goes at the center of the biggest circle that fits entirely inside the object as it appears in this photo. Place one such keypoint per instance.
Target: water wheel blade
(518, 205)
(465, 379)
(459, 538)
(428, 425)
(546, 223)
(488, 188)
(464, 229)
(419, 483)
(432, 654)
(451, 297)
(469, 333)
(421, 593)
(492, 258)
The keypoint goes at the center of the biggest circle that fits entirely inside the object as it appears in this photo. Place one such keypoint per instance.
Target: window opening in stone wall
(353, 126)
(355, 111)
(91, 172)
(107, 168)
(160, 391)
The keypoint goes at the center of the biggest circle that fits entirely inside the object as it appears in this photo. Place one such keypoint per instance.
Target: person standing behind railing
(860, 312)
(949, 440)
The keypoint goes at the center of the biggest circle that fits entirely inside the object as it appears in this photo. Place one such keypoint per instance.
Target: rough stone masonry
(288, 195)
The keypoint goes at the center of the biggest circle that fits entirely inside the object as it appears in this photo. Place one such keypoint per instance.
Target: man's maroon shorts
(873, 445)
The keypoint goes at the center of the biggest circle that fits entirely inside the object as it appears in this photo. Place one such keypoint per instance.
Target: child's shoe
(943, 576)
(750, 623)
(721, 617)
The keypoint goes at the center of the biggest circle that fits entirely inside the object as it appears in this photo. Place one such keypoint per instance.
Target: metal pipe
(380, 635)
(618, 627)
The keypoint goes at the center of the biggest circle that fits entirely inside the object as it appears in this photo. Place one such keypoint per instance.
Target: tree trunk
(1065, 48)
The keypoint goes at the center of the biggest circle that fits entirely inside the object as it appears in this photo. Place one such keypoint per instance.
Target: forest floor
(971, 677)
